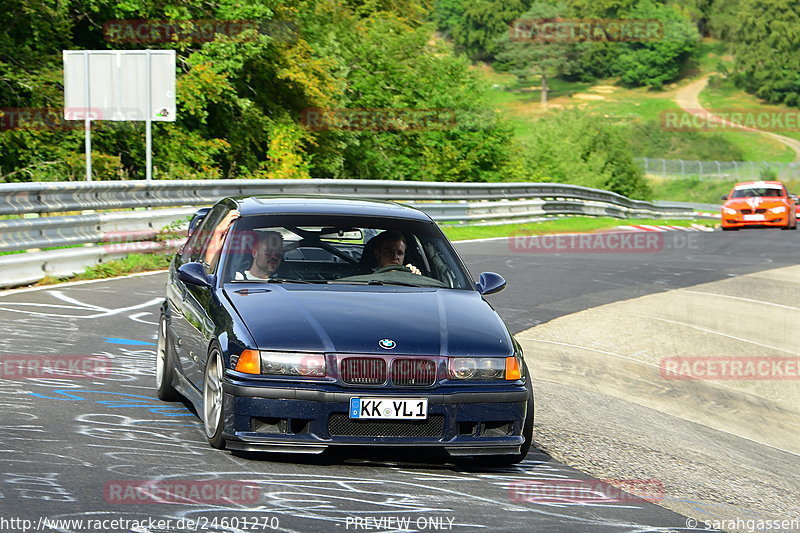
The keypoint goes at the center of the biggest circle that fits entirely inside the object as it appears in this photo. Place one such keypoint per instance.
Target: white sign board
(119, 85)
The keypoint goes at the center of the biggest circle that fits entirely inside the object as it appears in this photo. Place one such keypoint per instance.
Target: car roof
(751, 184)
(324, 205)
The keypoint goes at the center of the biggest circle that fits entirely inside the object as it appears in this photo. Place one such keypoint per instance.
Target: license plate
(389, 408)
(754, 217)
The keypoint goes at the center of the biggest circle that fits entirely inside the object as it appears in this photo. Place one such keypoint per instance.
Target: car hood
(353, 319)
(755, 203)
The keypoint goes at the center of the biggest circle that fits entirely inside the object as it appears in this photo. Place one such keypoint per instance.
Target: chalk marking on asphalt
(108, 312)
(742, 299)
(706, 330)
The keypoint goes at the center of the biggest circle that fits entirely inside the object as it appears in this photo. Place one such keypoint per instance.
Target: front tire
(165, 369)
(214, 400)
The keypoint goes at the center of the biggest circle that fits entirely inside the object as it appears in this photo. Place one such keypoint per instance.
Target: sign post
(119, 85)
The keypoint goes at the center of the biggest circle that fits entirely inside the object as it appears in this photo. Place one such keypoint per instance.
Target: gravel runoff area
(725, 451)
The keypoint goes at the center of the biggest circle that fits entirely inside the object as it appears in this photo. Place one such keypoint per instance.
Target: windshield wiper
(400, 283)
(375, 282)
(278, 280)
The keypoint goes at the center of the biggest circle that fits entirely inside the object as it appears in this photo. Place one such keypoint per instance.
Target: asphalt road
(78, 448)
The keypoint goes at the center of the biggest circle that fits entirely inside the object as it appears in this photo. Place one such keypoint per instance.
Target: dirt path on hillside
(688, 99)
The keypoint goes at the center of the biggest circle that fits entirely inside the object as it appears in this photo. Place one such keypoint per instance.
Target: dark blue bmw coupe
(294, 324)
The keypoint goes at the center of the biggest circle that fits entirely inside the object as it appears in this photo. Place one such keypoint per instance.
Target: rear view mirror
(194, 274)
(490, 283)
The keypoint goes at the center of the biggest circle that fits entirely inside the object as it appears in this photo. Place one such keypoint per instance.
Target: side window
(198, 244)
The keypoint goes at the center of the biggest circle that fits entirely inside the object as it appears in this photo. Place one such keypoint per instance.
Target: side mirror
(490, 283)
(194, 274)
(197, 218)
(724, 197)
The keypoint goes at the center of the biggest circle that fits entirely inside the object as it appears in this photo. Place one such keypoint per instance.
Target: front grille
(750, 211)
(363, 370)
(414, 372)
(340, 425)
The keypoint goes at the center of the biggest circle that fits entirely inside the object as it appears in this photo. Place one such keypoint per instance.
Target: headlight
(283, 364)
(293, 364)
(484, 368)
(730, 211)
(779, 209)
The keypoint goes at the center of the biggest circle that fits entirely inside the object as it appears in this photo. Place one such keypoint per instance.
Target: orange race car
(759, 203)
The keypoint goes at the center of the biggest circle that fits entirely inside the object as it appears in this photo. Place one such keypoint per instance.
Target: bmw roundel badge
(387, 344)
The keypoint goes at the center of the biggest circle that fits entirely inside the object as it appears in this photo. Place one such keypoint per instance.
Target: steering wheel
(392, 268)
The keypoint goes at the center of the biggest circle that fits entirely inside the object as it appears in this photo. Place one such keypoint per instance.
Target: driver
(390, 249)
(267, 256)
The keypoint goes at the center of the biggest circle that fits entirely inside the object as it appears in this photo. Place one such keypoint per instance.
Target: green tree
(582, 149)
(765, 47)
(654, 63)
(392, 66)
(523, 56)
(479, 23)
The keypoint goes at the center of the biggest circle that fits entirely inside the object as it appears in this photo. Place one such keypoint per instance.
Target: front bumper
(462, 420)
(736, 221)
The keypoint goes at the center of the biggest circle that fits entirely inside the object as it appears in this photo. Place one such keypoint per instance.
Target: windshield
(341, 250)
(754, 192)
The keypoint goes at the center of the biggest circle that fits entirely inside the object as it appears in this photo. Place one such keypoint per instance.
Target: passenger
(267, 256)
(390, 249)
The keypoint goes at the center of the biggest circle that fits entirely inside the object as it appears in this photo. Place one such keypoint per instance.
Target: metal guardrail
(464, 203)
(20, 198)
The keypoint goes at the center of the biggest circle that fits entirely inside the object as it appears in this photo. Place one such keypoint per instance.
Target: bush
(653, 64)
(583, 150)
(649, 139)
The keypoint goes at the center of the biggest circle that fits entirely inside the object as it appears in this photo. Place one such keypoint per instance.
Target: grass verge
(131, 264)
(563, 225)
